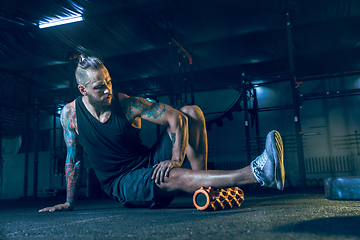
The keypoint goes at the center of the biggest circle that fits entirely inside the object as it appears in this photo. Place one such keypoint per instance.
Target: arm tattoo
(150, 109)
(74, 153)
(147, 108)
(68, 122)
(72, 172)
(173, 138)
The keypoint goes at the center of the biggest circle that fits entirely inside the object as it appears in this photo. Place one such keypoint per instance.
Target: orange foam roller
(217, 199)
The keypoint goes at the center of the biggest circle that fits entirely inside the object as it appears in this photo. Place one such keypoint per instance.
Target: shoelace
(258, 170)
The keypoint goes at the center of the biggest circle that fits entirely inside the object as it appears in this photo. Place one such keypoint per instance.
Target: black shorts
(136, 188)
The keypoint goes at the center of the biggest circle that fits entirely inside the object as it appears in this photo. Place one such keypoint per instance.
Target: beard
(98, 104)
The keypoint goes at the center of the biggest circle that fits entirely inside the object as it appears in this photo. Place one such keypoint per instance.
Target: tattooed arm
(73, 164)
(177, 126)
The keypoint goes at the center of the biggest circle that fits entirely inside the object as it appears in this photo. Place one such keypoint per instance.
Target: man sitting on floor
(106, 127)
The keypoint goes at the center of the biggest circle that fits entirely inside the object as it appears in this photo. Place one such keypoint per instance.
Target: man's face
(99, 90)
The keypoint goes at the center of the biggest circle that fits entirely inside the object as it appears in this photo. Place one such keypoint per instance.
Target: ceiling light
(60, 21)
(151, 100)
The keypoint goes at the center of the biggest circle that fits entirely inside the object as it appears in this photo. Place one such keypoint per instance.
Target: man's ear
(82, 90)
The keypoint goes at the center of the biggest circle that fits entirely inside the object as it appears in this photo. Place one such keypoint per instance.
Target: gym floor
(265, 214)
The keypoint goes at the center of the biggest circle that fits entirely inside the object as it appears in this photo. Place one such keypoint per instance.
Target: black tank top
(113, 148)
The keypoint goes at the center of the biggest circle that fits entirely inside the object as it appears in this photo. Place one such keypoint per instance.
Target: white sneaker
(268, 168)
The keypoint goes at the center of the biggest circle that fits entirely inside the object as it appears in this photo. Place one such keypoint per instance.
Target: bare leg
(267, 169)
(197, 150)
(190, 180)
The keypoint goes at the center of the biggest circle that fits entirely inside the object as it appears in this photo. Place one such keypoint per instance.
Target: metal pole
(257, 128)
(54, 131)
(192, 84)
(171, 73)
(1, 159)
(298, 133)
(54, 158)
(247, 126)
(185, 80)
(246, 121)
(27, 141)
(72, 69)
(36, 150)
(61, 144)
(180, 77)
(357, 142)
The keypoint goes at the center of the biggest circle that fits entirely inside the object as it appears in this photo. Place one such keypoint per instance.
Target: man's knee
(193, 111)
(173, 182)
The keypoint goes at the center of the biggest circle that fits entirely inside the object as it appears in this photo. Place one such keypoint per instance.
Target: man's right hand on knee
(162, 170)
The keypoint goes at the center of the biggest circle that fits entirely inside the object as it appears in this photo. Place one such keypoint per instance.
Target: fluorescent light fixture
(59, 110)
(60, 21)
(150, 100)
